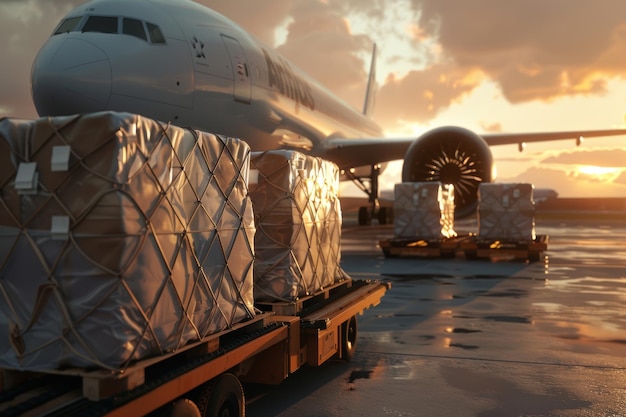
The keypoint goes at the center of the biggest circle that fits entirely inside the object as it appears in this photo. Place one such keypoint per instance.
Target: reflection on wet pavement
(506, 394)
(566, 311)
(480, 339)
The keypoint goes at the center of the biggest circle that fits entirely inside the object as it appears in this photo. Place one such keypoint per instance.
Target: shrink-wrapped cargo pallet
(506, 211)
(298, 224)
(120, 238)
(424, 210)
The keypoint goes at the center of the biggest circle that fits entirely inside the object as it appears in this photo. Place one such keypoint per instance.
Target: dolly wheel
(222, 397)
(183, 407)
(348, 338)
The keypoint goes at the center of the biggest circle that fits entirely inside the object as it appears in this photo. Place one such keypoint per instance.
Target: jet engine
(451, 155)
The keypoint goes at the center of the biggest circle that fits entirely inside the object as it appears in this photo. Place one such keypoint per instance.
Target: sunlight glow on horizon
(602, 174)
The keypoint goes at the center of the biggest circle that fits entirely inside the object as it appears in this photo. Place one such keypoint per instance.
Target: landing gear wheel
(222, 397)
(364, 216)
(348, 338)
(385, 215)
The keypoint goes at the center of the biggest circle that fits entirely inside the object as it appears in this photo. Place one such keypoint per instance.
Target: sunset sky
(488, 65)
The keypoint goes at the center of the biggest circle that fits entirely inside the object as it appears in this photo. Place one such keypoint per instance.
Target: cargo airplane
(180, 62)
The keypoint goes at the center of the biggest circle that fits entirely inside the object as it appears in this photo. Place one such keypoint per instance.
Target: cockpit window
(149, 32)
(134, 27)
(156, 36)
(101, 24)
(68, 25)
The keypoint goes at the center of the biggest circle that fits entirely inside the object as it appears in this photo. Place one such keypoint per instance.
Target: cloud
(534, 50)
(569, 185)
(420, 95)
(24, 27)
(621, 179)
(595, 157)
(260, 18)
(494, 127)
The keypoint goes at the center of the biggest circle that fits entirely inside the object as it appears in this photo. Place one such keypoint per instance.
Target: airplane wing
(369, 151)
(349, 153)
(494, 139)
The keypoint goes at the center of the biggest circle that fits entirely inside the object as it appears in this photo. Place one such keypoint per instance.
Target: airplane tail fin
(370, 92)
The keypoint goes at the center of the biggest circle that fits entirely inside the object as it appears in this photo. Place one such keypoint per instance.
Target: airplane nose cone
(70, 76)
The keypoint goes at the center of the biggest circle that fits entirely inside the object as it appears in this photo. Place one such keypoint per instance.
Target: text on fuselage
(282, 77)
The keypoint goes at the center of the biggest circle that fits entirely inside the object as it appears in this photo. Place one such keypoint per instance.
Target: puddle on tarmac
(509, 319)
(407, 315)
(462, 330)
(359, 374)
(462, 346)
(513, 293)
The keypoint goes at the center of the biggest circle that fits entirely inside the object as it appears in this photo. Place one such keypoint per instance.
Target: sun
(604, 174)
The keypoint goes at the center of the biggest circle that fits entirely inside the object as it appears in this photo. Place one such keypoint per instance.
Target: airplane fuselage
(192, 67)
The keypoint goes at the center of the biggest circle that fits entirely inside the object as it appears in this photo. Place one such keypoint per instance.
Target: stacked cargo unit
(120, 238)
(424, 210)
(298, 224)
(506, 211)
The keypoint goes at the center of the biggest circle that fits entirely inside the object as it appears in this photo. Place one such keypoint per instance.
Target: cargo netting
(121, 238)
(298, 225)
(424, 210)
(506, 211)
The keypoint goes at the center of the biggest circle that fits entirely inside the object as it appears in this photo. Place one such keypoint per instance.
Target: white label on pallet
(60, 158)
(60, 228)
(26, 178)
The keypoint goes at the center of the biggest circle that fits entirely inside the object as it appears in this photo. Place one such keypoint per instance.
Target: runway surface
(479, 338)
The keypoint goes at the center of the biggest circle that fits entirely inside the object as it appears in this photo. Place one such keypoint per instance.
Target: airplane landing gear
(383, 215)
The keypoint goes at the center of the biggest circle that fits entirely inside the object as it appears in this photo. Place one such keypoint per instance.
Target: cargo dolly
(425, 248)
(470, 245)
(203, 378)
(520, 250)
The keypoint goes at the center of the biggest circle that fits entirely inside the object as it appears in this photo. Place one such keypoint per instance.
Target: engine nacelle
(451, 155)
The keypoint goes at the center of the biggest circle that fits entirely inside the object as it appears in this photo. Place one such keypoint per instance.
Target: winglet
(370, 93)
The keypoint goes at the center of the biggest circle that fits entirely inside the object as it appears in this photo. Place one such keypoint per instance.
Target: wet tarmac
(478, 338)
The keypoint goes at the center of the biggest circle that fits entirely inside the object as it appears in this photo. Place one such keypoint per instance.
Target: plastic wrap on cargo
(424, 210)
(298, 222)
(506, 211)
(120, 238)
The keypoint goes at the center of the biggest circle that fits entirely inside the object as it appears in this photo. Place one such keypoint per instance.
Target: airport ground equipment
(205, 375)
(522, 250)
(422, 248)
(126, 275)
(506, 224)
(423, 221)
(469, 246)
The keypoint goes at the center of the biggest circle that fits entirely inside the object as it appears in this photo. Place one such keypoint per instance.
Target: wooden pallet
(441, 248)
(304, 304)
(504, 250)
(98, 384)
